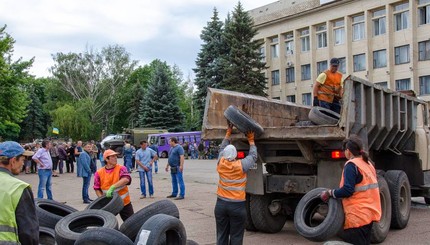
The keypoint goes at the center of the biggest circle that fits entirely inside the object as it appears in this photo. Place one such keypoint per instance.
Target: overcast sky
(165, 29)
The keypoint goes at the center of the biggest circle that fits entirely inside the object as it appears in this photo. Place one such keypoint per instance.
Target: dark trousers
(126, 212)
(358, 236)
(335, 106)
(69, 165)
(230, 222)
(60, 166)
(93, 165)
(54, 163)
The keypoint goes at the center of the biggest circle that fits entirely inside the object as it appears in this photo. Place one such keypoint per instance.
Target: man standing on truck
(359, 192)
(230, 209)
(327, 89)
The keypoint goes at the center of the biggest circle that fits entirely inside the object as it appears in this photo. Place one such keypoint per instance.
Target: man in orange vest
(328, 87)
(359, 192)
(230, 209)
(114, 178)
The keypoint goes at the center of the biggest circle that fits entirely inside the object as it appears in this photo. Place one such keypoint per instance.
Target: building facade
(386, 42)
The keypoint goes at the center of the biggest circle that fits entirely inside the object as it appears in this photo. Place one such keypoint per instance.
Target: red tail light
(240, 155)
(337, 154)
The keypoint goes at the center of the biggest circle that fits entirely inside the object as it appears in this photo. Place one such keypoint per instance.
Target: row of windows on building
(401, 22)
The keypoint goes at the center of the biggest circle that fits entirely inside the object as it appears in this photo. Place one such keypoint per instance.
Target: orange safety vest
(108, 179)
(331, 87)
(364, 206)
(232, 180)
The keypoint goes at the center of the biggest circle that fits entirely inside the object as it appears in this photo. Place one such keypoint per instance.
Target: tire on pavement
(242, 121)
(249, 226)
(317, 220)
(69, 228)
(400, 191)
(112, 205)
(49, 212)
(46, 236)
(132, 225)
(103, 236)
(323, 116)
(380, 229)
(261, 216)
(160, 228)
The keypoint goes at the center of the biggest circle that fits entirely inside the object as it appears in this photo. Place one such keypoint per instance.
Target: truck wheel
(242, 121)
(380, 229)
(323, 116)
(163, 154)
(427, 200)
(261, 216)
(249, 226)
(400, 191)
(317, 220)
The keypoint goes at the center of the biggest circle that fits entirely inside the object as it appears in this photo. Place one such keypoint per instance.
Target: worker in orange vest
(230, 209)
(359, 192)
(114, 178)
(328, 87)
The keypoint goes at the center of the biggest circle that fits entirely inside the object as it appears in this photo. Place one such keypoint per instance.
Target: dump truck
(295, 156)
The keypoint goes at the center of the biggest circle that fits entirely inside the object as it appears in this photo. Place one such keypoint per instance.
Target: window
(379, 22)
(306, 72)
(403, 84)
(276, 98)
(275, 77)
(289, 43)
(291, 98)
(304, 38)
(321, 36)
(290, 74)
(359, 62)
(401, 16)
(262, 53)
(339, 32)
(274, 47)
(382, 84)
(424, 11)
(306, 99)
(424, 50)
(321, 66)
(401, 54)
(424, 85)
(358, 32)
(342, 65)
(380, 58)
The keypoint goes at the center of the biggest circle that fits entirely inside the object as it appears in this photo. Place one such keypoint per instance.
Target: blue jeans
(142, 175)
(128, 163)
(44, 182)
(335, 106)
(156, 166)
(85, 186)
(177, 179)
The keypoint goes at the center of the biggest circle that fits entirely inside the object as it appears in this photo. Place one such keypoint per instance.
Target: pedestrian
(70, 150)
(33, 167)
(77, 151)
(27, 160)
(230, 208)
(114, 178)
(127, 153)
(154, 147)
(53, 151)
(93, 154)
(18, 220)
(186, 148)
(44, 169)
(201, 149)
(176, 164)
(62, 156)
(84, 171)
(145, 158)
(359, 193)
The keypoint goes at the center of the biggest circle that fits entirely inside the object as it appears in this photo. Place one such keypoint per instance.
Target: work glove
(316, 101)
(229, 129)
(109, 193)
(250, 136)
(325, 195)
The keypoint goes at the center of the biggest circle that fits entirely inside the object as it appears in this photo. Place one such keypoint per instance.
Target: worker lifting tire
(323, 116)
(261, 216)
(242, 121)
(380, 229)
(400, 191)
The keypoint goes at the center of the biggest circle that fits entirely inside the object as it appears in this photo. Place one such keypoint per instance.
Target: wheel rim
(384, 217)
(403, 203)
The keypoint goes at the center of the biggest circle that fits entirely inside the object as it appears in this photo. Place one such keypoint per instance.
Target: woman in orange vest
(230, 209)
(359, 192)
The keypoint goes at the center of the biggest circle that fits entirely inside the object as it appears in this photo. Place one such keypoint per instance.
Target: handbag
(173, 170)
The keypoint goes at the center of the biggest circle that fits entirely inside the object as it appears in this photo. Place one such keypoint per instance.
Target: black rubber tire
(164, 154)
(112, 205)
(308, 206)
(103, 236)
(69, 228)
(46, 236)
(304, 124)
(380, 229)
(400, 191)
(323, 116)
(132, 225)
(242, 121)
(427, 200)
(261, 217)
(191, 242)
(49, 212)
(162, 226)
(249, 226)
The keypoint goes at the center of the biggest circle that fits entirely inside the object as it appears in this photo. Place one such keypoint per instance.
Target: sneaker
(171, 196)
(151, 196)
(87, 201)
(179, 198)
(142, 196)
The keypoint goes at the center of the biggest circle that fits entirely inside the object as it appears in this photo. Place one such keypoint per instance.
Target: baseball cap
(334, 61)
(109, 153)
(11, 149)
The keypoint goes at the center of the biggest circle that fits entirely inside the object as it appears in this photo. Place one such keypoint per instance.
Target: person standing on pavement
(114, 178)
(53, 151)
(44, 169)
(62, 156)
(145, 158)
(176, 164)
(84, 171)
(70, 150)
(359, 192)
(230, 208)
(127, 153)
(93, 154)
(18, 220)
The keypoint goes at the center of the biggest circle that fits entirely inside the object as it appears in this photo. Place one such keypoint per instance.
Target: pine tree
(34, 125)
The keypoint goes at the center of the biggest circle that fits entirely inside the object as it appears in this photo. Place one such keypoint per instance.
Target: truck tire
(261, 217)
(103, 236)
(242, 121)
(162, 227)
(249, 226)
(49, 212)
(308, 225)
(427, 200)
(46, 236)
(113, 205)
(323, 116)
(164, 154)
(400, 191)
(380, 229)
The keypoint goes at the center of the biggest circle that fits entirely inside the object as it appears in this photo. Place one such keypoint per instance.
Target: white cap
(230, 152)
